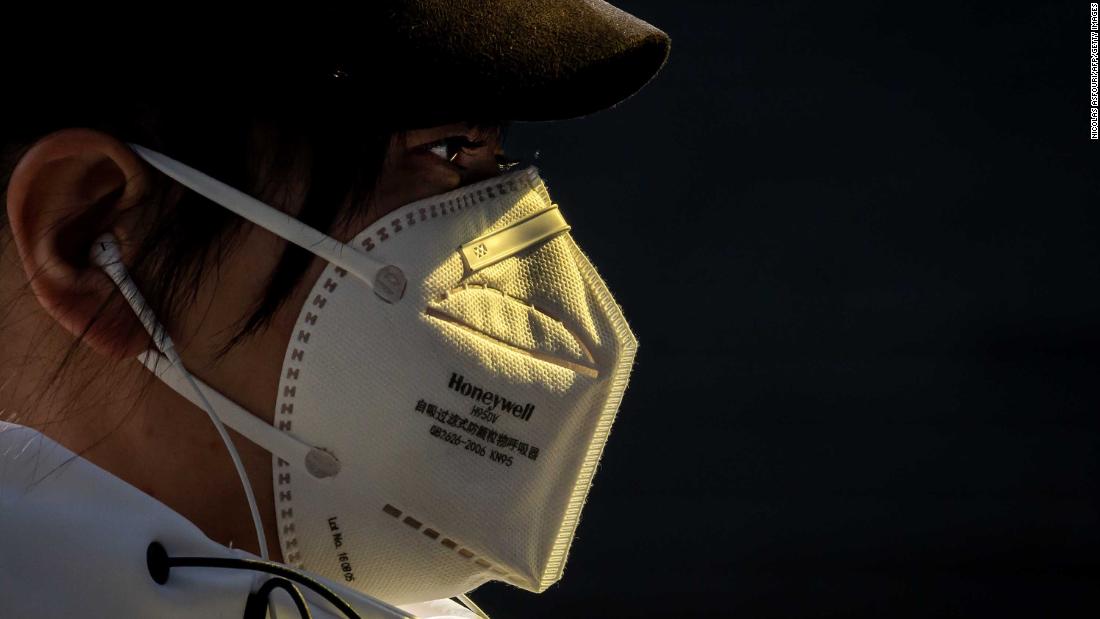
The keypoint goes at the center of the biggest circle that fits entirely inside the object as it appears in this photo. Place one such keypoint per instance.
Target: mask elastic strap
(314, 460)
(387, 280)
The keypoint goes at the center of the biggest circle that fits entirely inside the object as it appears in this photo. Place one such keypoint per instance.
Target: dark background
(860, 246)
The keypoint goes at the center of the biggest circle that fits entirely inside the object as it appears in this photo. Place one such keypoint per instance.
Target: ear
(67, 189)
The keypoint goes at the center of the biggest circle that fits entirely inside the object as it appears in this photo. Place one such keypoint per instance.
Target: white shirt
(73, 543)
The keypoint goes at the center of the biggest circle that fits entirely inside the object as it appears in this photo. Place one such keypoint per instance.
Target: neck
(117, 415)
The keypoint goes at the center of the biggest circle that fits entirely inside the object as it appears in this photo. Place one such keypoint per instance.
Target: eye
(450, 148)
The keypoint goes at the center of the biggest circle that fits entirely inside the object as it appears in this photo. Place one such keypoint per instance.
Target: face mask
(445, 395)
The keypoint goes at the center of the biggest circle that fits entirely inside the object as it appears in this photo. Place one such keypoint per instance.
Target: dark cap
(417, 62)
(506, 59)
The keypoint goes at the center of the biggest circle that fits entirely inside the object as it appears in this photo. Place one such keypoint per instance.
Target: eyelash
(449, 148)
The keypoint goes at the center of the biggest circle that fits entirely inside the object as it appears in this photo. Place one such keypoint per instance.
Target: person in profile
(286, 329)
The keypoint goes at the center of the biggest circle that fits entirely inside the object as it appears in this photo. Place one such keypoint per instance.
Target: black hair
(318, 156)
(317, 148)
(260, 150)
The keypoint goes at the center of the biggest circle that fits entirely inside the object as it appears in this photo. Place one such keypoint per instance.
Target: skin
(66, 190)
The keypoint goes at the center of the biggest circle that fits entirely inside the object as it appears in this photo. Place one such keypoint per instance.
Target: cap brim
(444, 61)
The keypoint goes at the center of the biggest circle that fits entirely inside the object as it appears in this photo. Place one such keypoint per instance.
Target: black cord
(160, 564)
(256, 608)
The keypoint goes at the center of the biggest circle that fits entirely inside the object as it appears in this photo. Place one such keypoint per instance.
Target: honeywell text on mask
(489, 399)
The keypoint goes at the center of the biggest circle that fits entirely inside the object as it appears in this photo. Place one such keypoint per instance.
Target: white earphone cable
(106, 254)
(220, 427)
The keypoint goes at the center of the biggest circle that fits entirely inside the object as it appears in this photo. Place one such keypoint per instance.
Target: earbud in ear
(105, 251)
(107, 255)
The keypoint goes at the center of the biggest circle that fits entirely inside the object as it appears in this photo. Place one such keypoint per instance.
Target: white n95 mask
(445, 395)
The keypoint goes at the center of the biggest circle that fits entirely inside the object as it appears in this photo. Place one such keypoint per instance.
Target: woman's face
(423, 163)
(157, 441)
